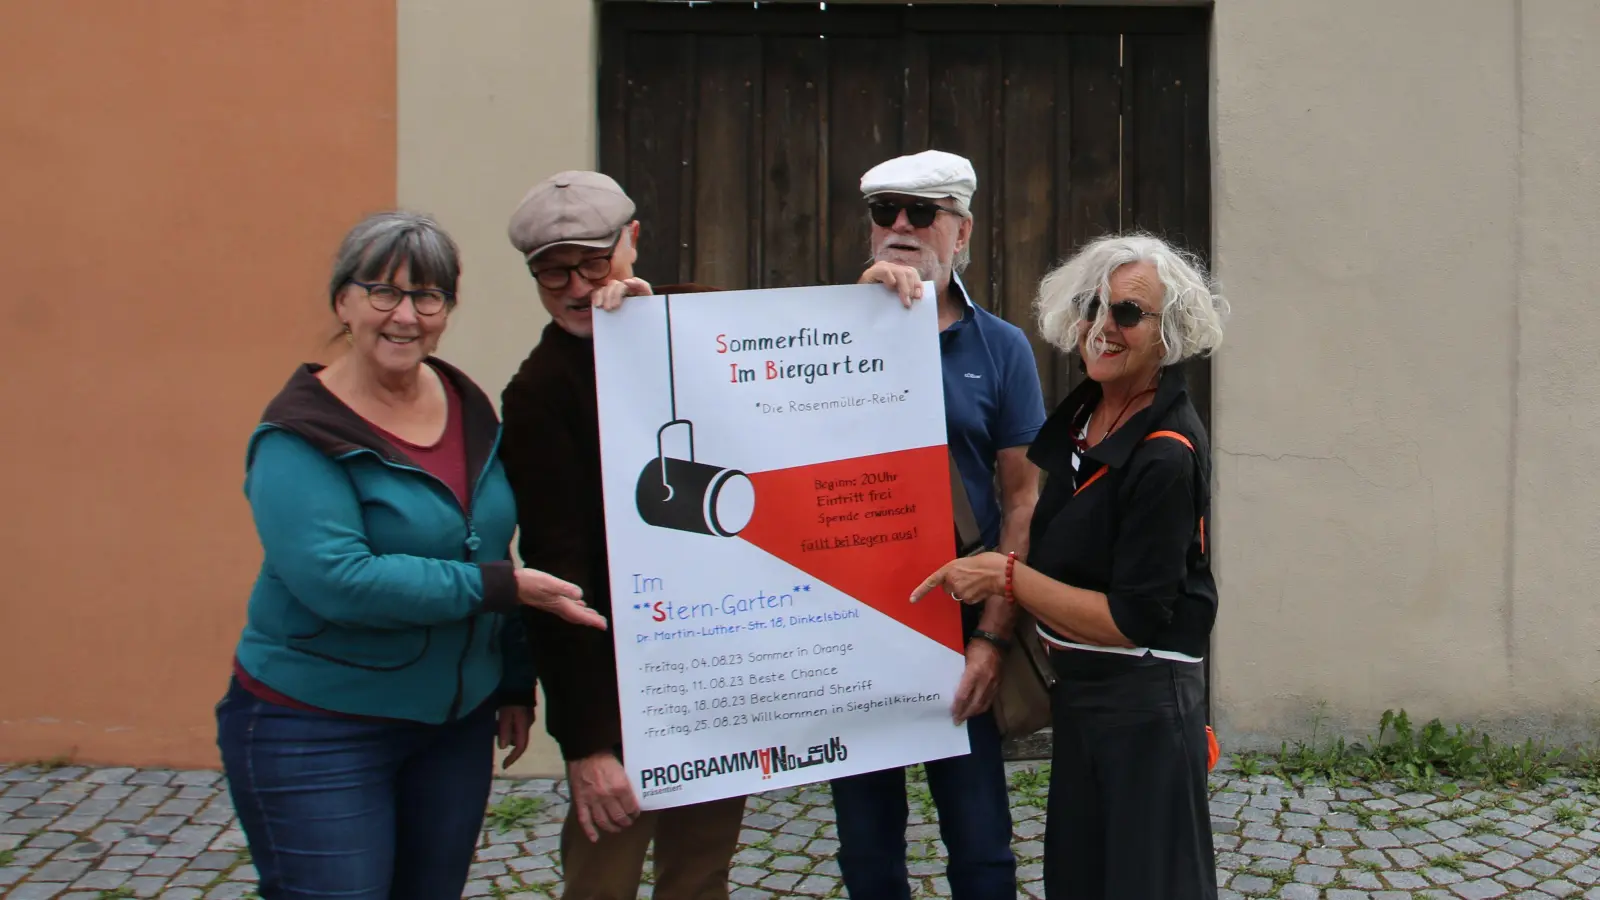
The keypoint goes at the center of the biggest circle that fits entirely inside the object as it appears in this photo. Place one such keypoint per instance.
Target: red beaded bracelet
(1011, 564)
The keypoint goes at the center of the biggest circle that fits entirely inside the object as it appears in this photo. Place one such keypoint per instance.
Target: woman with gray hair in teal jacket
(382, 652)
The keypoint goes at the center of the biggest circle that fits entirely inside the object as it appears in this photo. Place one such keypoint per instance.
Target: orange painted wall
(174, 179)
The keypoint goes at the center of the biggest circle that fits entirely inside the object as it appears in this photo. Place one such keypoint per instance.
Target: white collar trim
(955, 279)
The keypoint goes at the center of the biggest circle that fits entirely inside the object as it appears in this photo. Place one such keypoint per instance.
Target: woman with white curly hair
(1118, 575)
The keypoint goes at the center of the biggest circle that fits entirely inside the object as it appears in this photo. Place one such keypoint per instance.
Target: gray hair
(1192, 312)
(964, 255)
(380, 244)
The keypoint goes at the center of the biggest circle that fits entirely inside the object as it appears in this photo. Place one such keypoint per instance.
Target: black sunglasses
(1125, 313)
(886, 212)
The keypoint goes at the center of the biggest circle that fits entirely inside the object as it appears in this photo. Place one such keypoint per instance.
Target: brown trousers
(694, 849)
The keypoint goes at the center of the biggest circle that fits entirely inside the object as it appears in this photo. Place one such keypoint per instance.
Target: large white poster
(776, 484)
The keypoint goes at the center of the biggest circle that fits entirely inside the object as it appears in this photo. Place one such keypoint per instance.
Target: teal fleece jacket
(378, 594)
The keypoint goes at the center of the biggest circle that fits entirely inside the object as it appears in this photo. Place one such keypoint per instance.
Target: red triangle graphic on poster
(872, 527)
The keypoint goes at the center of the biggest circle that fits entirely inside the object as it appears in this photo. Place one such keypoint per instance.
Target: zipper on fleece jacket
(471, 544)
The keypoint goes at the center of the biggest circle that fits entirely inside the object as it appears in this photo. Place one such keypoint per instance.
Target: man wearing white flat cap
(921, 209)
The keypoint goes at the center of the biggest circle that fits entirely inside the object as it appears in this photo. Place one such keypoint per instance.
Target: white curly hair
(1192, 312)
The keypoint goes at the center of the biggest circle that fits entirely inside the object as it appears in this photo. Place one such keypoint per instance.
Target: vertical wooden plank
(789, 228)
(992, 201)
(1060, 372)
(1195, 78)
(1089, 177)
(687, 162)
(1028, 223)
(1169, 156)
(654, 174)
(960, 96)
(722, 162)
(865, 127)
(820, 181)
(757, 170)
(914, 84)
(1152, 136)
(613, 98)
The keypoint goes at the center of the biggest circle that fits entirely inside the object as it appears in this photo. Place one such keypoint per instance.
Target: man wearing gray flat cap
(577, 233)
(921, 210)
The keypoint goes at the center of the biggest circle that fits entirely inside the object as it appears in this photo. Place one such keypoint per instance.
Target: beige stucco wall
(1407, 410)
(1554, 617)
(493, 96)
(1406, 217)
(1366, 229)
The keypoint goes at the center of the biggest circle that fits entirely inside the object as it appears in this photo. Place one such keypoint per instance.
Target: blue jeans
(356, 809)
(974, 821)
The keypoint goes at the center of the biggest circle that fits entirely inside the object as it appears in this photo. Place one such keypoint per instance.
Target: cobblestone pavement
(105, 834)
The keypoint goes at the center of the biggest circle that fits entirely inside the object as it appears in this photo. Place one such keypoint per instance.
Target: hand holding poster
(776, 483)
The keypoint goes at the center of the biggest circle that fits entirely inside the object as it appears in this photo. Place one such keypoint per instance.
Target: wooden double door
(742, 131)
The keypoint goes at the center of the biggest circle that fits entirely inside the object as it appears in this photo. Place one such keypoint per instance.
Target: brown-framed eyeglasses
(554, 278)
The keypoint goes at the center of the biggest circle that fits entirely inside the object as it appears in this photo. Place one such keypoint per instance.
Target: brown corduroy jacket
(551, 450)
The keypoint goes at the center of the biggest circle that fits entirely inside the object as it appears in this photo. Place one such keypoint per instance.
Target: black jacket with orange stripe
(1130, 522)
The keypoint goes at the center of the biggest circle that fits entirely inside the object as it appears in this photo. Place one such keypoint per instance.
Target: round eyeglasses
(426, 301)
(554, 278)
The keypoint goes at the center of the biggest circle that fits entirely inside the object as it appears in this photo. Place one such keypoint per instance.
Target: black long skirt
(1128, 816)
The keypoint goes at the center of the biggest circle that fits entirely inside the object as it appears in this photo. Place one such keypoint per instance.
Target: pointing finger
(928, 584)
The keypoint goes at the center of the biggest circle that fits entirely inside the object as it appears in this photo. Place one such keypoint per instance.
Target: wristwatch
(1000, 643)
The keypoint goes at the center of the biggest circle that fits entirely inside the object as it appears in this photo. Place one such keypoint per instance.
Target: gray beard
(934, 276)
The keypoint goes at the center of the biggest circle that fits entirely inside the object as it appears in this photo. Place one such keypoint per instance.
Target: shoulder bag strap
(1200, 488)
(1213, 749)
(969, 539)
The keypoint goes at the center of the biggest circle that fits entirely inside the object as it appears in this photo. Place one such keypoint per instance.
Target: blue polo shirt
(992, 401)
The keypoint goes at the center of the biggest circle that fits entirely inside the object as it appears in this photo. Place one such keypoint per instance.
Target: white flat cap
(933, 174)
